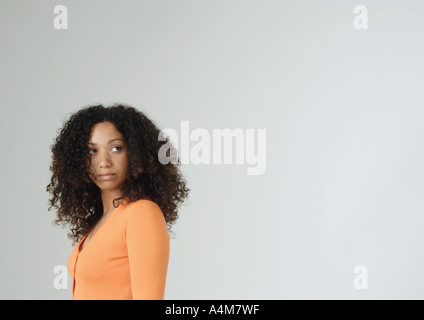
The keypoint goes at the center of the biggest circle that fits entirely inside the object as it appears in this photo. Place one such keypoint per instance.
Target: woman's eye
(92, 151)
(117, 148)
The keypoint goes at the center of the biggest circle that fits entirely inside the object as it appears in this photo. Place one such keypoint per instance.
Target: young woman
(108, 184)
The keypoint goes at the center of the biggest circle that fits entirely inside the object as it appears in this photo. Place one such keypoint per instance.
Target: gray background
(343, 110)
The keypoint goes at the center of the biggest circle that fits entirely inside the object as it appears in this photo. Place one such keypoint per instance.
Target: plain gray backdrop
(343, 112)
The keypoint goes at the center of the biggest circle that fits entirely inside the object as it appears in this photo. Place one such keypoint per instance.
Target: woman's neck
(107, 199)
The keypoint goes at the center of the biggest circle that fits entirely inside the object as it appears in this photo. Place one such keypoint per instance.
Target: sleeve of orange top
(148, 250)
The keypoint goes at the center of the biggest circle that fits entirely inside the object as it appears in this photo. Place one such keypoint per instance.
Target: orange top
(127, 258)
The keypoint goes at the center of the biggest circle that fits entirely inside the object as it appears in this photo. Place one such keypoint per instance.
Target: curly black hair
(78, 200)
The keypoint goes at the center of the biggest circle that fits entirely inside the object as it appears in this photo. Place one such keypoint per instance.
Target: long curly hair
(77, 199)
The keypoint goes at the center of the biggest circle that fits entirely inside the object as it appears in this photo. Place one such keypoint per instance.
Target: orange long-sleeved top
(127, 258)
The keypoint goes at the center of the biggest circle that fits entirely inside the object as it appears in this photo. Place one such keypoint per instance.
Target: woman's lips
(105, 176)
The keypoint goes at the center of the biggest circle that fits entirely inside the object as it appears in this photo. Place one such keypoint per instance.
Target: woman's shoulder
(139, 204)
(143, 217)
(142, 209)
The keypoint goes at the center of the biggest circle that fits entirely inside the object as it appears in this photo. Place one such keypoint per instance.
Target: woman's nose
(104, 160)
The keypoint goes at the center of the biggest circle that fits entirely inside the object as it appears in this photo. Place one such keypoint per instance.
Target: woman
(108, 184)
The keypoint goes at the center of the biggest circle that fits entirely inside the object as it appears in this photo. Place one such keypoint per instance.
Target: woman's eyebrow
(110, 141)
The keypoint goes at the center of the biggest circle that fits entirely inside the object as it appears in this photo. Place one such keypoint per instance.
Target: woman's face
(109, 157)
